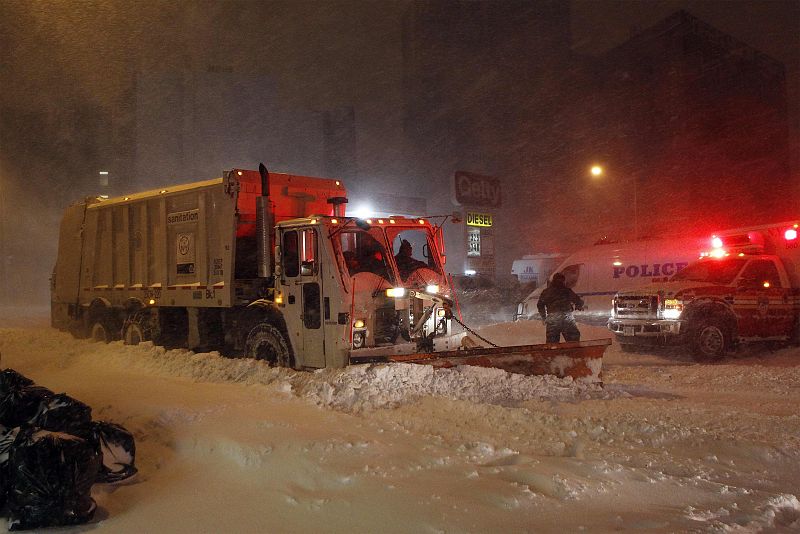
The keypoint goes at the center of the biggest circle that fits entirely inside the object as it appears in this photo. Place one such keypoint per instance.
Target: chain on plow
(473, 332)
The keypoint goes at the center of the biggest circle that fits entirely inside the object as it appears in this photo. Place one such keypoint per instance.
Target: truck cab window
(715, 271)
(291, 254)
(411, 250)
(308, 259)
(363, 253)
(761, 273)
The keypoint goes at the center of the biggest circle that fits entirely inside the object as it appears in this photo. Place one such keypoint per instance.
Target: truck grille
(637, 306)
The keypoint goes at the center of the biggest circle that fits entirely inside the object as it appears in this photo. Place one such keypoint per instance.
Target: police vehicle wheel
(709, 340)
(265, 342)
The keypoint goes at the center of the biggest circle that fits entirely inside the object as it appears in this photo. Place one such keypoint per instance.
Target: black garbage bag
(62, 413)
(7, 438)
(10, 379)
(20, 404)
(51, 477)
(118, 451)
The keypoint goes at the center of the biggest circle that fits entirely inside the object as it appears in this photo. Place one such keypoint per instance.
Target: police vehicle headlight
(672, 309)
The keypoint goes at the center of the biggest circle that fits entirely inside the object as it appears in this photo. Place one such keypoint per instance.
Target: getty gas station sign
(481, 193)
(477, 190)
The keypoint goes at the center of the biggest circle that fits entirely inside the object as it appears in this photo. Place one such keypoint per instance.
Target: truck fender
(260, 311)
(101, 311)
(133, 304)
(99, 304)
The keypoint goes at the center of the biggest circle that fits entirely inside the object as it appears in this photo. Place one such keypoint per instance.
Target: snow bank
(352, 389)
(668, 445)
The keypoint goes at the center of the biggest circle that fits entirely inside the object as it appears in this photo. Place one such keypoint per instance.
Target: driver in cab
(406, 263)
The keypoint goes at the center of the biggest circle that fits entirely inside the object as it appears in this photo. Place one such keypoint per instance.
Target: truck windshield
(721, 271)
(413, 253)
(363, 252)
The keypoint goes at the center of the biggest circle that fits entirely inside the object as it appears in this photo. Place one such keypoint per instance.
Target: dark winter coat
(558, 298)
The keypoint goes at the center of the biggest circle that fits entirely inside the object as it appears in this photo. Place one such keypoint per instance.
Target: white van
(597, 272)
(536, 267)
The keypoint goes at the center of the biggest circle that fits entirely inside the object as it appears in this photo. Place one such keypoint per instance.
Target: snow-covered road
(234, 446)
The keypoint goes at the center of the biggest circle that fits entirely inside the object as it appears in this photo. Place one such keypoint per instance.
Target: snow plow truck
(268, 266)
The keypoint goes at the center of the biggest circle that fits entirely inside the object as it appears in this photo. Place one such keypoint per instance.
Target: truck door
(766, 310)
(301, 285)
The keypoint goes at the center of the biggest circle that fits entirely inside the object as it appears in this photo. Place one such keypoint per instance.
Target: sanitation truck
(268, 266)
(743, 289)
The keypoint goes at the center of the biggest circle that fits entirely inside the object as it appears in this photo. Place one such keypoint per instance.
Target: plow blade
(581, 360)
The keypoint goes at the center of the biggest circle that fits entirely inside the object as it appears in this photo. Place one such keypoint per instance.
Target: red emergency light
(790, 234)
(716, 242)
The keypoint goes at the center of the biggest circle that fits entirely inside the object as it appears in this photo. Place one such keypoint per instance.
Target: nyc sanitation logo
(477, 190)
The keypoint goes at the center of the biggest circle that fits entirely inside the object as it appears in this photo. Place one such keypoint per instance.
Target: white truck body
(596, 273)
(536, 267)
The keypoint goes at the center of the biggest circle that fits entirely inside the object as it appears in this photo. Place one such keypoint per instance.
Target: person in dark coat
(406, 263)
(555, 305)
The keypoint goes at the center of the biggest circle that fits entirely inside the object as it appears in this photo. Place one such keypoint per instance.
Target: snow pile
(668, 445)
(780, 513)
(353, 389)
(369, 387)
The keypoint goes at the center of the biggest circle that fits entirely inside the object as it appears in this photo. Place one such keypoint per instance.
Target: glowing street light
(596, 170)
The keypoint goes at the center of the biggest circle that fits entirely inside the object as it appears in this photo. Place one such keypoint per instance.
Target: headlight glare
(396, 292)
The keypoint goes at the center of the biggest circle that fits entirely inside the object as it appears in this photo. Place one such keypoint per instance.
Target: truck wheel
(134, 333)
(101, 332)
(709, 340)
(265, 342)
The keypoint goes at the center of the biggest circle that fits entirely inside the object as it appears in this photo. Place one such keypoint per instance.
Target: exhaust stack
(338, 205)
(264, 226)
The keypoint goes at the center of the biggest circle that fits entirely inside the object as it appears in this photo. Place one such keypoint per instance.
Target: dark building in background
(480, 80)
(691, 128)
(689, 124)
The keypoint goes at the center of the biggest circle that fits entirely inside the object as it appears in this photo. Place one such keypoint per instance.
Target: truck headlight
(396, 292)
(432, 288)
(358, 323)
(672, 309)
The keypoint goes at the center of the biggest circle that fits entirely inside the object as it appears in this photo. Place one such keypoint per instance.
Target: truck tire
(709, 339)
(136, 330)
(265, 342)
(102, 331)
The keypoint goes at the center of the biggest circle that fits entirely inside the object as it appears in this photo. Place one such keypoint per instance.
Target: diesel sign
(479, 219)
(477, 190)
